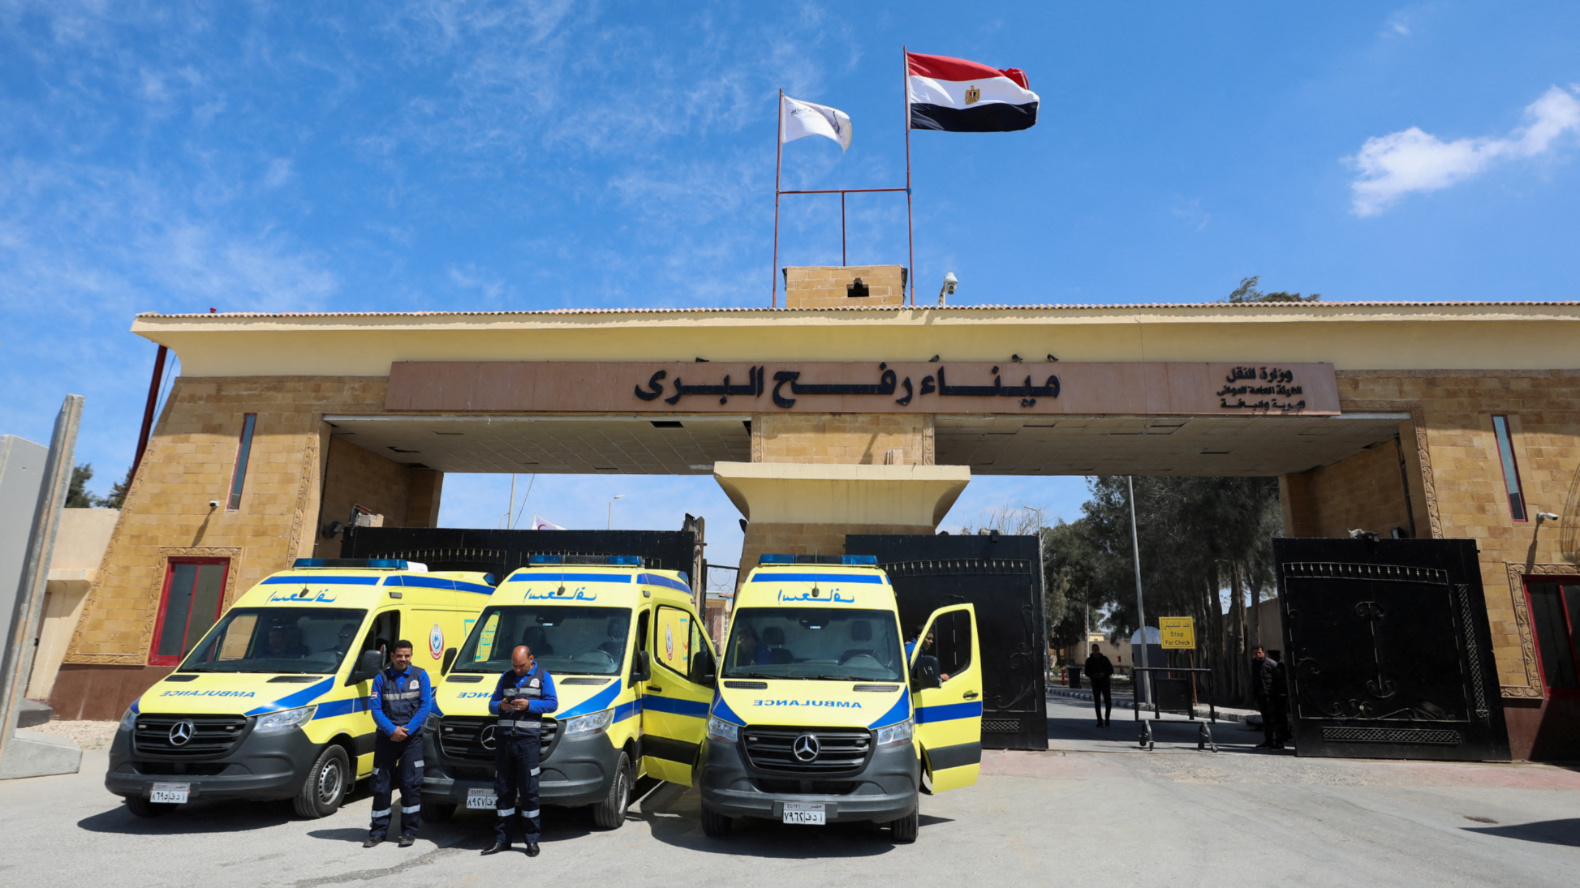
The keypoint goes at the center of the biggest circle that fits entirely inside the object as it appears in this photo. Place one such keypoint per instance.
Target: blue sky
(399, 156)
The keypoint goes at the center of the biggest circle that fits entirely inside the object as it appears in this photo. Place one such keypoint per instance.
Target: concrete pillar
(808, 508)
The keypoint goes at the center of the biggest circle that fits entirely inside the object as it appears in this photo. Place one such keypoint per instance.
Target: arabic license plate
(170, 792)
(803, 812)
(480, 798)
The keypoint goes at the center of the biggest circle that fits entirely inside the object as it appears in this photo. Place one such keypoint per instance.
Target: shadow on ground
(1551, 832)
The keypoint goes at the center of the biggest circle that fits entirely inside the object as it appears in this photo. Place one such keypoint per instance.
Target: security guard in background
(520, 699)
(401, 701)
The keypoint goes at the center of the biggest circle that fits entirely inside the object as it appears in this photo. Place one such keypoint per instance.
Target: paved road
(1072, 727)
(1110, 816)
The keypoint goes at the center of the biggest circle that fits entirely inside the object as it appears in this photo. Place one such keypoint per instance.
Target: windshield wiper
(761, 675)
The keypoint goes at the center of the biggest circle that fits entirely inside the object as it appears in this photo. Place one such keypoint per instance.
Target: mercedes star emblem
(805, 748)
(180, 733)
(486, 739)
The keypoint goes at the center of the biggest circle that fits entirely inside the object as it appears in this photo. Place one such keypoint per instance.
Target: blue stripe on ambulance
(596, 703)
(722, 710)
(543, 576)
(349, 706)
(898, 713)
(690, 708)
(438, 583)
(292, 701)
(948, 712)
(657, 580)
(776, 577)
(627, 710)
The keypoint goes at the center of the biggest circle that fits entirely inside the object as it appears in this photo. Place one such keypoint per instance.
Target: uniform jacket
(401, 699)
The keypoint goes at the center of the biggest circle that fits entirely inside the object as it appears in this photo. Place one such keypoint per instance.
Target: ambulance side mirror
(925, 673)
(368, 665)
(641, 668)
(448, 661)
(703, 669)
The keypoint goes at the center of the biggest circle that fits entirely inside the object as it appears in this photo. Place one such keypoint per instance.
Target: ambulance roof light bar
(610, 560)
(357, 564)
(847, 560)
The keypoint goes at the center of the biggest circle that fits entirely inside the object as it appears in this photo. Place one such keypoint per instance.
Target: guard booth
(1388, 650)
(1002, 576)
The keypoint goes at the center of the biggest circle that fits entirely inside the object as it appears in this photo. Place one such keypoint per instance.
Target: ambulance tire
(905, 829)
(327, 782)
(434, 812)
(610, 813)
(141, 807)
(713, 823)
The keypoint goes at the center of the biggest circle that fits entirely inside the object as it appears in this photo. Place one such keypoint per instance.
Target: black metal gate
(501, 551)
(1389, 650)
(1002, 576)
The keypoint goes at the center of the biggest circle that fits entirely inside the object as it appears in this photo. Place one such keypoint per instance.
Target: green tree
(77, 495)
(1247, 292)
(117, 497)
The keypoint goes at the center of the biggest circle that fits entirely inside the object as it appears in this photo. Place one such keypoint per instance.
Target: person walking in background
(1100, 670)
(1267, 685)
(1280, 700)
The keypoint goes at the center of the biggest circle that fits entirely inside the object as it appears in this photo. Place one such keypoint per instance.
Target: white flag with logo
(540, 524)
(798, 118)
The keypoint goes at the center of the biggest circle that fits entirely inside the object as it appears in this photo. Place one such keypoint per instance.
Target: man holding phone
(521, 698)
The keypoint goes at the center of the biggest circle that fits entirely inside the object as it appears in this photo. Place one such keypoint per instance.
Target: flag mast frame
(779, 156)
(910, 226)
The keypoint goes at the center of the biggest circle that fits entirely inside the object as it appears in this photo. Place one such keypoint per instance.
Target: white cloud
(1399, 24)
(1410, 160)
(278, 174)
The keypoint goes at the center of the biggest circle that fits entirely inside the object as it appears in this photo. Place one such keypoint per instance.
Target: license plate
(170, 792)
(480, 798)
(802, 812)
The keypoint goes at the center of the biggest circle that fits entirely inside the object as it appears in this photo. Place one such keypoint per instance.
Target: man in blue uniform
(520, 699)
(401, 701)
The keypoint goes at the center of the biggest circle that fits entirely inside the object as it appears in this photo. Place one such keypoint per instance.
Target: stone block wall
(353, 475)
(844, 438)
(829, 286)
(1364, 492)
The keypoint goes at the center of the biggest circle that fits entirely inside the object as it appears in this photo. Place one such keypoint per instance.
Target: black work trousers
(397, 763)
(1103, 698)
(516, 785)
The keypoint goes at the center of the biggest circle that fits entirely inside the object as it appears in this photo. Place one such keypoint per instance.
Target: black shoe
(1099, 723)
(532, 849)
(372, 840)
(407, 841)
(496, 848)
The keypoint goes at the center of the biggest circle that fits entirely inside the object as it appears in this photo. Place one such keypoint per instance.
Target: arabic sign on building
(1040, 388)
(1178, 633)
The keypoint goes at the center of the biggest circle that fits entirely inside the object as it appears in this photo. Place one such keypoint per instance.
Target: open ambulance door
(949, 716)
(676, 697)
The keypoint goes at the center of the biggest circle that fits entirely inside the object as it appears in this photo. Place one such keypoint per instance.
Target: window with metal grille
(243, 451)
(1511, 469)
(193, 595)
(1555, 616)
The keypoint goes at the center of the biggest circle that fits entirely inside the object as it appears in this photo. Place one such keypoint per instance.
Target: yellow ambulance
(823, 713)
(272, 703)
(632, 667)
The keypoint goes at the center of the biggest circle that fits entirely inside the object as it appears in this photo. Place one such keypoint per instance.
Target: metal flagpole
(842, 260)
(779, 156)
(910, 229)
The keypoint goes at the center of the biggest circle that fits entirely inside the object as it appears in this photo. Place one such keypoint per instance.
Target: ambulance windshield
(566, 640)
(304, 640)
(814, 643)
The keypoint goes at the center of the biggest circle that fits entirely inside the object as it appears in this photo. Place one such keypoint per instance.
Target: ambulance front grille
(839, 751)
(187, 736)
(463, 739)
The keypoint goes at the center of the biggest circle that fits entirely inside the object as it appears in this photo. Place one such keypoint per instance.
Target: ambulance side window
(383, 634)
(952, 643)
(672, 639)
(641, 631)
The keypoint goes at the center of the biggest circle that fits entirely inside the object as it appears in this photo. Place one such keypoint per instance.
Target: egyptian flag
(958, 96)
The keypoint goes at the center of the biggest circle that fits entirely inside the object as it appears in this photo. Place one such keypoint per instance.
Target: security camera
(1545, 516)
(213, 504)
(949, 287)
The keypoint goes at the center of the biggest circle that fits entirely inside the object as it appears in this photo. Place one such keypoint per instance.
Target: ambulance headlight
(129, 720)
(587, 724)
(723, 731)
(285, 720)
(897, 734)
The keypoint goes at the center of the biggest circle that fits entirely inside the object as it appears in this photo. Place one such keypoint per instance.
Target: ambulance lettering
(205, 693)
(808, 596)
(827, 704)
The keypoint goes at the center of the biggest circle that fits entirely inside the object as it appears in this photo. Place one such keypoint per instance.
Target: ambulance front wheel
(141, 807)
(713, 823)
(610, 813)
(906, 828)
(326, 784)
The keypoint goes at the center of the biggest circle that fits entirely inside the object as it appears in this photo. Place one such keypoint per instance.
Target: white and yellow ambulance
(821, 714)
(272, 703)
(631, 664)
